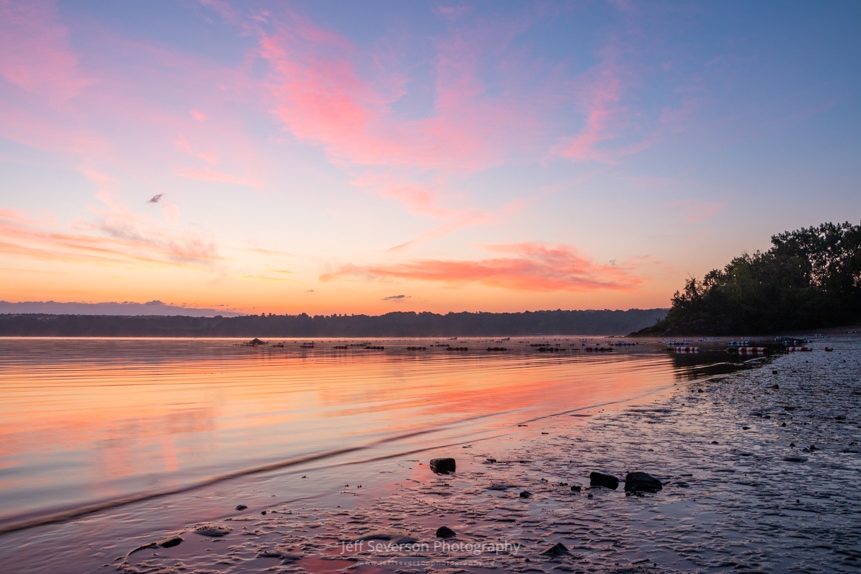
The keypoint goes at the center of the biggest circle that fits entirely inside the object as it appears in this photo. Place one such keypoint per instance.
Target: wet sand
(756, 479)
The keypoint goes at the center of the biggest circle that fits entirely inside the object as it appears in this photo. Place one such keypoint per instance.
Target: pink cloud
(34, 51)
(321, 96)
(121, 237)
(600, 92)
(66, 247)
(529, 267)
(198, 115)
(419, 198)
(13, 215)
(464, 219)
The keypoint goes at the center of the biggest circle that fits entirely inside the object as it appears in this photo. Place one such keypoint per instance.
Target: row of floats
(746, 348)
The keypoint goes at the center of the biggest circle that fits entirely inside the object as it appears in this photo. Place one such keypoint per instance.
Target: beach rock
(443, 465)
(445, 532)
(642, 482)
(241, 507)
(575, 488)
(558, 549)
(525, 494)
(605, 480)
(794, 459)
(170, 542)
(211, 529)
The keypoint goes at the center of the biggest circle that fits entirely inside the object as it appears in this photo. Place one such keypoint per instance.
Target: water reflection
(89, 419)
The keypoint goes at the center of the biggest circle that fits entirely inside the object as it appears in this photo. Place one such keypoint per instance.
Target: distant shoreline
(397, 324)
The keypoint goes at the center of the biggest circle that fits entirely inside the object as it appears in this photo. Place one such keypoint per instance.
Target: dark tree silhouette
(810, 278)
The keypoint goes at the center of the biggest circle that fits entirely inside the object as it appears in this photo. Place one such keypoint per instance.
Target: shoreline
(721, 506)
(748, 503)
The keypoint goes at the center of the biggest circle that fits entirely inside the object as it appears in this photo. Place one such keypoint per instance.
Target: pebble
(443, 465)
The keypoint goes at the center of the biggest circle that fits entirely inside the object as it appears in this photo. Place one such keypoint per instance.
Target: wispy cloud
(35, 53)
(395, 298)
(528, 267)
(116, 236)
(322, 96)
(466, 218)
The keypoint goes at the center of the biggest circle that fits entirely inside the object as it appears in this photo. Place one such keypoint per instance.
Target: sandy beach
(759, 470)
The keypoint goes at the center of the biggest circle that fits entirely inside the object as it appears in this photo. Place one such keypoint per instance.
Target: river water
(89, 426)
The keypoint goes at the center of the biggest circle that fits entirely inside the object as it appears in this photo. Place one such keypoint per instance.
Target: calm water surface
(90, 422)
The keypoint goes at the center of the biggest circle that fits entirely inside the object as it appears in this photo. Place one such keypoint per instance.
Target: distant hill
(118, 309)
(389, 325)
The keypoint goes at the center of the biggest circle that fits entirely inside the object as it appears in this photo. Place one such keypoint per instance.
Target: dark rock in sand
(171, 542)
(558, 549)
(443, 465)
(445, 532)
(605, 480)
(525, 494)
(241, 507)
(794, 459)
(642, 482)
(575, 488)
(211, 529)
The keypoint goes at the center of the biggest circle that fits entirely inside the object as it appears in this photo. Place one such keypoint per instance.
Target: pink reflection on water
(85, 420)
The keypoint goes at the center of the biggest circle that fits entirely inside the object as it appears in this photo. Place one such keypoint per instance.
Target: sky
(329, 157)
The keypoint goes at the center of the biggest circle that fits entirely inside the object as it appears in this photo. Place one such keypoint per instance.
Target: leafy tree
(809, 278)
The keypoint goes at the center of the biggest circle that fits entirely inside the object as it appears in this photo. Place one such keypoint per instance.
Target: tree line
(398, 324)
(809, 278)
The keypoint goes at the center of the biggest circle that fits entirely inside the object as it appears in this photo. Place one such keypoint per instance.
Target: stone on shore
(443, 465)
(212, 530)
(642, 482)
(605, 480)
(445, 532)
(170, 542)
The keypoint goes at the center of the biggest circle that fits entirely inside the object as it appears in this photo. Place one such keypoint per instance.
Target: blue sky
(328, 157)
